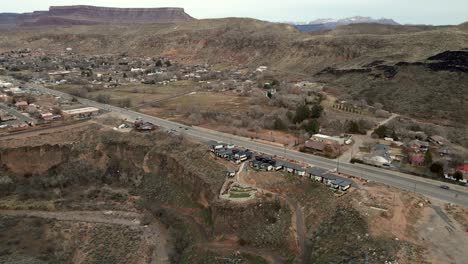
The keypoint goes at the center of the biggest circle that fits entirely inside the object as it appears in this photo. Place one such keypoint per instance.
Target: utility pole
(338, 164)
(338, 161)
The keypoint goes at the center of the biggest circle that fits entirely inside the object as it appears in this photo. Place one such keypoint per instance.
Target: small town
(233, 132)
(333, 128)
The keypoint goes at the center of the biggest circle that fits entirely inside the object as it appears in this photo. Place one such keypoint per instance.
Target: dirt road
(298, 223)
(446, 238)
(110, 217)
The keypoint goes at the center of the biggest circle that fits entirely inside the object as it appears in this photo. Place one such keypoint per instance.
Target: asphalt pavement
(430, 188)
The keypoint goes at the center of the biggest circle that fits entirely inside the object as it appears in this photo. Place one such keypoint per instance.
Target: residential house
(276, 164)
(47, 116)
(315, 173)
(224, 153)
(328, 179)
(324, 143)
(294, 168)
(260, 165)
(21, 105)
(437, 140)
(341, 184)
(418, 145)
(5, 116)
(315, 145)
(464, 170)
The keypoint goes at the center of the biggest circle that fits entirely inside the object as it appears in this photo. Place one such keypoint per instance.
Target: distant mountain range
(92, 15)
(329, 23)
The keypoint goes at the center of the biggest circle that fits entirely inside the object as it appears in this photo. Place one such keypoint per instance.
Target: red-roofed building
(21, 104)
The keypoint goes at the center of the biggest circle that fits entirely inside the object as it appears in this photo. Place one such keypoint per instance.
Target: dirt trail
(157, 237)
(104, 217)
(299, 227)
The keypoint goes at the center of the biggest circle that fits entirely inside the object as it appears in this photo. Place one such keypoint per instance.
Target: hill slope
(248, 41)
(252, 43)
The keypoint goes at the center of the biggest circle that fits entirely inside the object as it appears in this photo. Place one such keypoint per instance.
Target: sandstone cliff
(92, 15)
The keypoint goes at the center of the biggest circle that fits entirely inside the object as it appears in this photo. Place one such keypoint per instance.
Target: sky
(437, 12)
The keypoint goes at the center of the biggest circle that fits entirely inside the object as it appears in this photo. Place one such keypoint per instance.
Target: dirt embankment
(33, 160)
(264, 223)
(115, 157)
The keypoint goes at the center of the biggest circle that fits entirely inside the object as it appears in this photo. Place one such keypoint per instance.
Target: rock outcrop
(92, 15)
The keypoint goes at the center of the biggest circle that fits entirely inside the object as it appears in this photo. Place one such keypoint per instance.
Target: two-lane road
(431, 188)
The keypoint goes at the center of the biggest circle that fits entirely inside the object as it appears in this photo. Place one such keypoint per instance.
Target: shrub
(103, 98)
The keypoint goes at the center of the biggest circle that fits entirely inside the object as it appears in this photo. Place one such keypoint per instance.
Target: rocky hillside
(91, 15)
(249, 42)
(432, 89)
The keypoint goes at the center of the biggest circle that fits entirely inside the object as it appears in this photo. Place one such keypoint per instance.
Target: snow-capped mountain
(330, 23)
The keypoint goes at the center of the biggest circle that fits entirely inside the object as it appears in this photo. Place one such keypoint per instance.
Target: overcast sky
(403, 11)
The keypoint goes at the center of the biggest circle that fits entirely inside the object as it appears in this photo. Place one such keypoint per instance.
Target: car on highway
(445, 187)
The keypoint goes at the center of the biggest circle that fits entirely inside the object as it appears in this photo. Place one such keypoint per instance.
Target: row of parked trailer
(269, 163)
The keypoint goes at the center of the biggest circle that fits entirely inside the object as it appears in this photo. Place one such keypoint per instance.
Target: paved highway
(430, 188)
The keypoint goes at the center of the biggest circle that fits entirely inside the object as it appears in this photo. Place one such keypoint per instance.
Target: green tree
(395, 136)
(437, 168)
(290, 116)
(316, 111)
(353, 127)
(381, 131)
(428, 158)
(159, 63)
(103, 98)
(278, 124)
(125, 102)
(302, 113)
(312, 127)
(458, 175)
